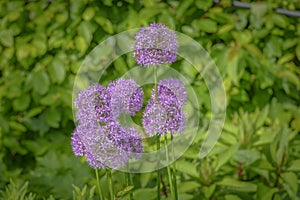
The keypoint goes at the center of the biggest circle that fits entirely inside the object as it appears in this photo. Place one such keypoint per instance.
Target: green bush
(42, 44)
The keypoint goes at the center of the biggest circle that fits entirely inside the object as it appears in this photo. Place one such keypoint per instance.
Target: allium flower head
(155, 45)
(93, 104)
(106, 146)
(163, 114)
(155, 118)
(77, 144)
(171, 90)
(126, 97)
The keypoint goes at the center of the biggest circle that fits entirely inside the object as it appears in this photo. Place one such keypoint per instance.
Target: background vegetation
(42, 44)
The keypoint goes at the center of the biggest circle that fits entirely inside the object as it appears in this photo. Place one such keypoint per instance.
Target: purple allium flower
(165, 113)
(77, 145)
(155, 45)
(171, 90)
(106, 146)
(155, 118)
(126, 97)
(93, 104)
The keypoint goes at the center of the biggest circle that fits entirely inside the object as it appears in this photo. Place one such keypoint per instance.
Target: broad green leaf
(88, 13)
(237, 185)
(204, 4)
(53, 117)
(57, 71)
(209, 190)
(232, 65)
(295, 165)
(247, 156)
(81, 44)
(21, 103)
(145, 193)
(6, 38)
(183, 6)
(187, 167)
(292, 180)
(265, 192)
(262, 117)
(208, 25)
(120, 66)
(17, 126)
(105, 24)
(187, 186)
(225, 156)
(144, 179)
(40, 81)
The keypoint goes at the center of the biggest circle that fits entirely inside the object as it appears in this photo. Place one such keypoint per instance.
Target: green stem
(110, 186)
(158, 171)
(99, 185)
(169, 169)
(129, 183)
(174, 170)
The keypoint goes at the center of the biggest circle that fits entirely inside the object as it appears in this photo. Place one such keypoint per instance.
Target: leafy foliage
(257, 51)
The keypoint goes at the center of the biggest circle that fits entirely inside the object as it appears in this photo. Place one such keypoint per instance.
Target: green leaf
(187, 167)
(144, 179)
(208, 25)
(88, 14)
(144, 193)
(225, 156)
(6, 38)
(53, 117)
(265, 192)
(41, 82)
(209, 190)
(187, 186)
(21, 103)
(120, 66)
(247, 156)
(262, 117)
(241, 186)
(232, 65)
(17, 126)
(183, 6)
(294, 166)
(57, 71)
(81, 44)
(105, 24)
(292, 180)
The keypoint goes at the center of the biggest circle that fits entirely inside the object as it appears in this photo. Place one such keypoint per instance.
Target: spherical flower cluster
(93, 104)
(99, 136)
(155, 45)
(164, 112)
(126, 97)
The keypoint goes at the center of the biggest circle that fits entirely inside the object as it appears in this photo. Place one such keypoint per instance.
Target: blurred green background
(42, 44)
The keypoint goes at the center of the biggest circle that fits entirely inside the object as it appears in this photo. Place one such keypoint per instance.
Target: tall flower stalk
(156, 45)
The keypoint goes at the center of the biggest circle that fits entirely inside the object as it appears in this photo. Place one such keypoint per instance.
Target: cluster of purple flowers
(155, 45)
(164, 111)
(99, 136)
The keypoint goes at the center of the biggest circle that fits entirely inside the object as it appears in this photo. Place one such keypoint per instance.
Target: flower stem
(110, 186)
(169, 169)
(129, 183)
(99, 185)
(158, 171)
(174, 170)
